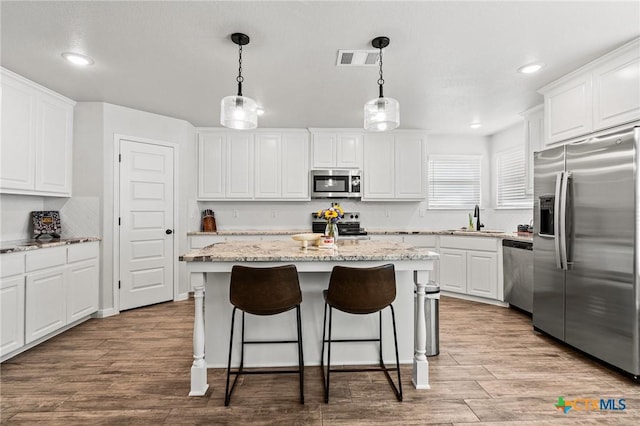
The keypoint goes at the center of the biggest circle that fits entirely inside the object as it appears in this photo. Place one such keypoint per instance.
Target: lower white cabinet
(44, 290)
(11, 314)
(46, 307)
(471, 266)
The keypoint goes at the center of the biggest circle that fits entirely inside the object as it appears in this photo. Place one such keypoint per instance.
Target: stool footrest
(259, 342)
(264, 372)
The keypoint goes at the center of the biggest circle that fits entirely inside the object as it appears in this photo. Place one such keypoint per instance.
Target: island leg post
(420, 377)
(199, 383)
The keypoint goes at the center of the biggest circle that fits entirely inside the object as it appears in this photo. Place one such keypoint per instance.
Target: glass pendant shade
(381, 114)
(238, 112)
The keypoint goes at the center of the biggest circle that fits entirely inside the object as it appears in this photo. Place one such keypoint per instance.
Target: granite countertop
(291, 251)
(489, 233)
(26, 245)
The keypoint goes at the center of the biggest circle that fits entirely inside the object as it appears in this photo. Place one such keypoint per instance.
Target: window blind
(511, 180)
(454, 181)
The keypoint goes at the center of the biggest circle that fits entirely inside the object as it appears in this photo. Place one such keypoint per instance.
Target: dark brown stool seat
(264, 291)
(360, 291)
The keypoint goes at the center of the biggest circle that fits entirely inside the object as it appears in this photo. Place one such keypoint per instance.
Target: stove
(347, 226)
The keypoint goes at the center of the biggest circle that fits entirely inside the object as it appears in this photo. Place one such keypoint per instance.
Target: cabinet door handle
(169, 231)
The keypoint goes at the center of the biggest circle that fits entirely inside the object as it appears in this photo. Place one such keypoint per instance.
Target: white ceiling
(448, 64)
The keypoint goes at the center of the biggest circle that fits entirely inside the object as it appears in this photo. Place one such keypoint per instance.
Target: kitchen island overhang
(210, 269)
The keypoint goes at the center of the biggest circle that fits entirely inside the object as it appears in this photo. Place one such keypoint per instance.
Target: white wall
(95, 149)
(15, 220)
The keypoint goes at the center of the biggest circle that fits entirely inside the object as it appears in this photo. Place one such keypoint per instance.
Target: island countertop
(291, 251)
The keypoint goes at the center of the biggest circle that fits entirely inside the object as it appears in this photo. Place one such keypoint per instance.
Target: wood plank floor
(134, 369)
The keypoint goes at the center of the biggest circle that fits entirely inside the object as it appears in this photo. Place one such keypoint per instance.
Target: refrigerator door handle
(563, 221)
(556, 219)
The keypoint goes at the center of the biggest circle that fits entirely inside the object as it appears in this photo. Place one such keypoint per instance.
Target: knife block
(209, 224)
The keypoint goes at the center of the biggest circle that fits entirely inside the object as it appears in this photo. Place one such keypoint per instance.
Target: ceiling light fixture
(77, 59)
(531, 68)
(475, 125)
(381, 113)
(239, 112)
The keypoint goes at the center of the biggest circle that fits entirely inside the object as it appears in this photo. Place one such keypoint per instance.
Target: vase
(332, 230)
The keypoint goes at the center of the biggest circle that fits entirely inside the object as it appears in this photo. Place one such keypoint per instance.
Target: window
(454, 181)
(511, 180)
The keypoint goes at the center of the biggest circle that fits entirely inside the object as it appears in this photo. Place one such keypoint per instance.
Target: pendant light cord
(381, 80)
(240, 78)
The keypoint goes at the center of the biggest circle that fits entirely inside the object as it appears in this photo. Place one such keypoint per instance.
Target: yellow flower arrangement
(332, 215)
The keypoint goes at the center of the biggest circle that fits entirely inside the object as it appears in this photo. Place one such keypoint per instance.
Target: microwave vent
(358, 58)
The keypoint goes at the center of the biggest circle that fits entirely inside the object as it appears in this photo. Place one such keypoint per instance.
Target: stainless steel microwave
(336, 183)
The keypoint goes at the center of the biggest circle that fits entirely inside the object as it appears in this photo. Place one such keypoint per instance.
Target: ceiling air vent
(357, 58)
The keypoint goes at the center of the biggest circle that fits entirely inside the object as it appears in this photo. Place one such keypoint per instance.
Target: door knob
(169, 231)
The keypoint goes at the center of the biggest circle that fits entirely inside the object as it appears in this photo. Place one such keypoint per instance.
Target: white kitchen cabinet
(482, 274)
(239, 178)
(11, 314)
(37, 139)
(334, 148)
(533, 140)
(394, 166)
(602, 94)
(82, 279)
(453, 270)
(43, 291)
(295, 166)
(282, 166)
(616, 89)
(471, 266)
(45, 303)
(260, 165)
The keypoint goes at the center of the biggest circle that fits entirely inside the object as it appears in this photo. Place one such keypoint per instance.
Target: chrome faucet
(476, 214)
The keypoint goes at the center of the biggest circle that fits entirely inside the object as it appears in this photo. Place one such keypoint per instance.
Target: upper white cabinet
(395, 166)
(334, 148)
(602, 94)
(37, 139)
(259, 165)
(282, 166)
(533, 140)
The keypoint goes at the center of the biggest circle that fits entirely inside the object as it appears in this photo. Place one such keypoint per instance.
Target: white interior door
(146, 224)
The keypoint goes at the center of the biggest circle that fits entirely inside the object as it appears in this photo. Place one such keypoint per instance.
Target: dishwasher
(518, 274)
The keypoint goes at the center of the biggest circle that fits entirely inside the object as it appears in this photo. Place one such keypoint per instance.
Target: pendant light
(381, 114)
(239, 112)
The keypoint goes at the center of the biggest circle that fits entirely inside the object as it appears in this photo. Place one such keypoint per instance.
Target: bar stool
(264, 291)
(360, 291)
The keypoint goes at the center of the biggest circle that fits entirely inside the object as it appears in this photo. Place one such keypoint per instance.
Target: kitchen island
(210, 269)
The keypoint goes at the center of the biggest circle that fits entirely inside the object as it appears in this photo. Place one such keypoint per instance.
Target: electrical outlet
(235, 214)
(386, 213)
(274, 214)
(421, 212)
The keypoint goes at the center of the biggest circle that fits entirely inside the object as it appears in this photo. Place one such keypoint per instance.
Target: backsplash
(15, 220)
(78, 215)
(373, 215)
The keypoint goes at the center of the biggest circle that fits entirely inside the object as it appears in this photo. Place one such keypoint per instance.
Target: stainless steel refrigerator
(585, 244)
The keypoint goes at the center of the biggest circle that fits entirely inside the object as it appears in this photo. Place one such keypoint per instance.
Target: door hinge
(119, 222)
(118, 284)
(119, 158)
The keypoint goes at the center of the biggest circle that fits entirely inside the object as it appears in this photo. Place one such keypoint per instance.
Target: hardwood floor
(134, 369)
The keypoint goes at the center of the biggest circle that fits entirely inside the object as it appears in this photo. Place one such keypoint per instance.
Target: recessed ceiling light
(475, 125)
(531, 68)
(77, 59)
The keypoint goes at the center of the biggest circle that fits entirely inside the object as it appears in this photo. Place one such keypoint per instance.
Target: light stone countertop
(291, 251)
(491, 234)
(25, 245)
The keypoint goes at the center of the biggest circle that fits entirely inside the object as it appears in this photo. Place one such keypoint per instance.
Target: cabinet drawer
(46, 258)
(84, 251)
(11, 264)
(470, 243)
